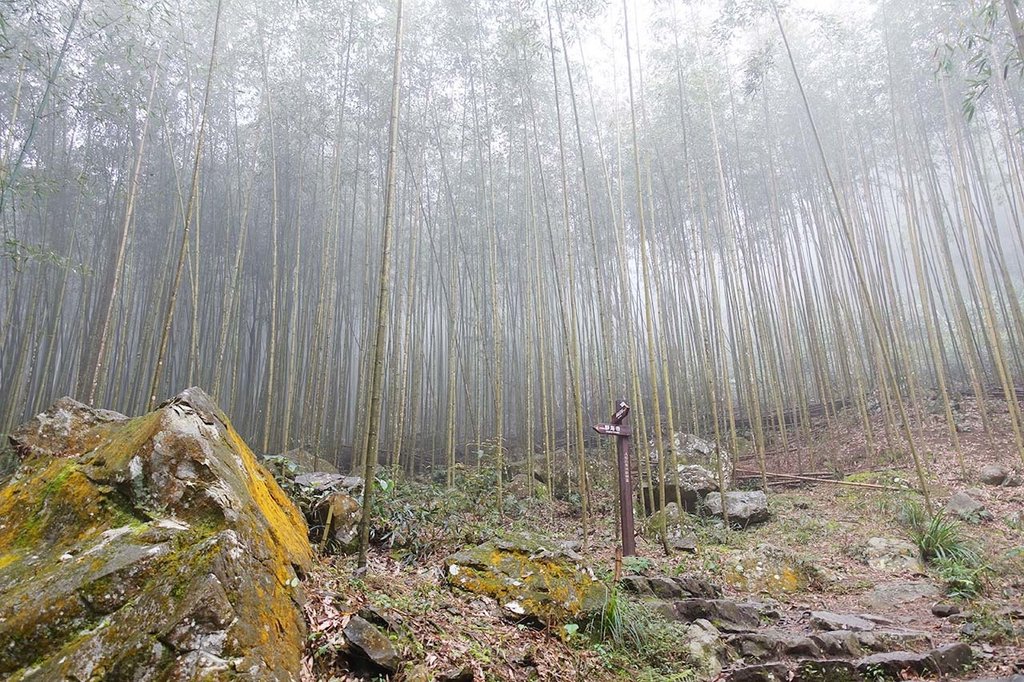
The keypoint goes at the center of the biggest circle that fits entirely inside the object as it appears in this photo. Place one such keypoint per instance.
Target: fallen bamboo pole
(852, 484)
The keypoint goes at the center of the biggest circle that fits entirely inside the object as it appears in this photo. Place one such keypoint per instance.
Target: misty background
(577, 219)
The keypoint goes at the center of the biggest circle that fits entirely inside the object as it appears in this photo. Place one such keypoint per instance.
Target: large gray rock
(946, 660)
(689, 486)
(155, 548)
(966, 507)
(696, 474)
(744, 507)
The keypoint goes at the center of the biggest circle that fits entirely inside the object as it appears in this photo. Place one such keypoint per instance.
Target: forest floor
(444, 633)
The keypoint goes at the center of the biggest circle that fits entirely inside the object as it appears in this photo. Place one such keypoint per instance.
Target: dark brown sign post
(622, 432)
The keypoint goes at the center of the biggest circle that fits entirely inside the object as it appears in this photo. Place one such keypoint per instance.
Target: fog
(196, 193)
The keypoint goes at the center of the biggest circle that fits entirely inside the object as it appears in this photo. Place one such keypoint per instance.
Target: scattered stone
(683, 542)
(382, 618)
(887, 553)
(878, 620)
(636, 584)
(155, 547)
(826, 620)
(307, 462)
(519, 486)
(1011, 678)
(888, 595)
(419, 673)
(945, 610)
(671, 520)
(569, 545)
(344, 513)
(744, 508)
(528, 580)
(696, 586)
(998, 474)
(966, 507)
(366, 640)
(827, 670)
(323, 481)
(705, 648)
(952, 658)
(770, 672)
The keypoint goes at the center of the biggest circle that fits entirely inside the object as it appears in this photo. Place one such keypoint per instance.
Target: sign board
(613, 430)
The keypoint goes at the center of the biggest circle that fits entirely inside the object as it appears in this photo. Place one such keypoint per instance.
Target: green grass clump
(939, 536)
(628, 632)
(943, 546)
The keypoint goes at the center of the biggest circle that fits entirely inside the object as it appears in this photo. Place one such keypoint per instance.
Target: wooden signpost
(622, 432)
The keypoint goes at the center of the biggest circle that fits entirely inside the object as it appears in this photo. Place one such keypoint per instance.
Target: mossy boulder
(150, 548)
(771, 570)
(530, 581)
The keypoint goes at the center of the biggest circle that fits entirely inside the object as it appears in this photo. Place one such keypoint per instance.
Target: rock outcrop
(147, 548)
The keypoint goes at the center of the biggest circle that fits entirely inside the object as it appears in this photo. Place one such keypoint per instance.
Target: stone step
(771, 644)
(944, 660)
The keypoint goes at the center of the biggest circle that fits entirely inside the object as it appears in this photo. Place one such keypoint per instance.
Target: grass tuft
(943, 546)
(633, 632)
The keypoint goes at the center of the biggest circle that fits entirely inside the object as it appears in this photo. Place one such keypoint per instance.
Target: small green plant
(875, 673)
(636, 564)
(962, 580)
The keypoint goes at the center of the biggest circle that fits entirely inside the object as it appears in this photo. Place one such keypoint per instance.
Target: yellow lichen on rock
(528, 580)
(769, 570)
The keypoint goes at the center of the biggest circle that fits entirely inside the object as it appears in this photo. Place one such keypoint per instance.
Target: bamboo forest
(369, 279)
